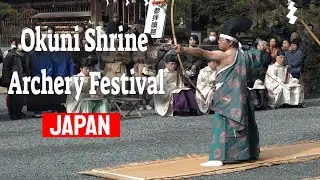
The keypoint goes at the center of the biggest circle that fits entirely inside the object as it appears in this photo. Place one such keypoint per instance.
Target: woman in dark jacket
(192, 64)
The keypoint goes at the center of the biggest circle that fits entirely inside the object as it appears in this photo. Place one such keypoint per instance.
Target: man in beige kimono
(86, 103)
(114, 62)
(206, 85)
(177, 98)
(282, 88)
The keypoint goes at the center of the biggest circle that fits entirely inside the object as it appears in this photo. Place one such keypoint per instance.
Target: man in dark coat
(113, 26)
(41, 102)
(62, 66)
(15, 61)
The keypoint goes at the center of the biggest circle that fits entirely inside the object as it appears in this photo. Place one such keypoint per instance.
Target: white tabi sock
(212, 164)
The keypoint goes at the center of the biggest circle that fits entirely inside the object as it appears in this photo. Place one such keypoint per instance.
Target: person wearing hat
(295, 58)
(235, 132)
(283, 89)
(178, 99)
(86, 103)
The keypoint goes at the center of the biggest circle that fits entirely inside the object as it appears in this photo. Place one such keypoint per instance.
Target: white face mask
(13, 46)
(212, 38)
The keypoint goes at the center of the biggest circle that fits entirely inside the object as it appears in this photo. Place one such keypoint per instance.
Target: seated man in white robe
(282, 88)
(86, 103)
(206, 85)
(178, 99)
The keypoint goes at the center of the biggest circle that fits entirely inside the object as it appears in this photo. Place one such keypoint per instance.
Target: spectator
(206, 85)
(144, 63)
(262, 46)
(211, 43)
(295, 58)
(273, 48)
(285, 46)
(163, 49)
(40, 103)
(283, 89)
(13, 45)
(212, 39)
(177, 100)
(63, 66)
(81, 105)
(113, 26)
(192, 64)
(15, 61)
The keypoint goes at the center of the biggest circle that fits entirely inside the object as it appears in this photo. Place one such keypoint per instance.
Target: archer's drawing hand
(178, 49)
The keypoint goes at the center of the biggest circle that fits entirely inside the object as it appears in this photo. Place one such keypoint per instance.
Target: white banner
(156, 20)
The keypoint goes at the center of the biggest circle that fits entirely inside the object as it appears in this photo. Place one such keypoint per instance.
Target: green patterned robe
(235, 132)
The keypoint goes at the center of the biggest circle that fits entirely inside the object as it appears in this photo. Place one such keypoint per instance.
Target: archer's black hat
(232, 27)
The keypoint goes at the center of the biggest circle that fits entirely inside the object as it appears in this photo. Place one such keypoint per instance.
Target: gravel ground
(25, 155)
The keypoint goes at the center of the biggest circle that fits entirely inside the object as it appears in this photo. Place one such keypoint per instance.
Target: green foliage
(311, 75)
(5, 9)
(312, 62)
(311, 15)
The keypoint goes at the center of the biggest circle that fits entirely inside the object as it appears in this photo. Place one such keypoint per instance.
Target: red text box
(57, 125)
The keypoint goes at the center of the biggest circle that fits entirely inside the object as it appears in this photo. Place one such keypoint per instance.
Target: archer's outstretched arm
(208, 55)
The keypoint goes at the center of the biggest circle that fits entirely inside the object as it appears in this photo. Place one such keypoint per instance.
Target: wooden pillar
(123, 12)
(104, 8)
(139, 9)
(128, 11)
(96, 11)
(134, 13)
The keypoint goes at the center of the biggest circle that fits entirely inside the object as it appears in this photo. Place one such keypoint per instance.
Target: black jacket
(14, 62)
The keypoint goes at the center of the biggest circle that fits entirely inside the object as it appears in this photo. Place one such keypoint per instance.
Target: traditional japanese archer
(235, 132)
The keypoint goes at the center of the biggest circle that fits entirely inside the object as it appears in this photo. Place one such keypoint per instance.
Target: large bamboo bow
(178, 55)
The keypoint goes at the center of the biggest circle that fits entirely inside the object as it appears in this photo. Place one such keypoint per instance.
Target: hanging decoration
(160, 3)
(292, 19)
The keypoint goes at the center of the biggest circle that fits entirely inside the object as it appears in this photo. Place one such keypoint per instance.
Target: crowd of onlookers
(292, 46)
(280, 47)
